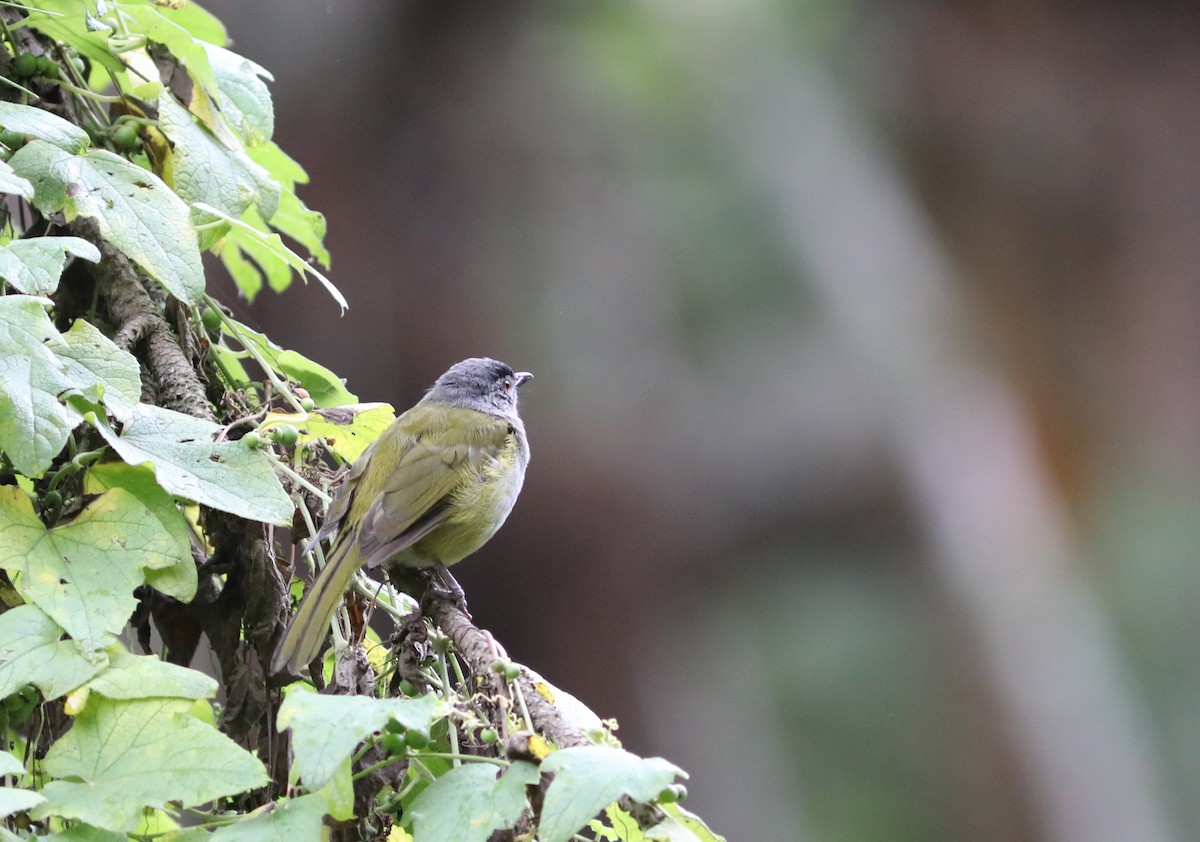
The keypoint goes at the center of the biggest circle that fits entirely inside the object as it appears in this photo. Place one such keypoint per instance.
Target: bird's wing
(415, 494)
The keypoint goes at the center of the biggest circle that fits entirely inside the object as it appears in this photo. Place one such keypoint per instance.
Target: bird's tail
(307, 630)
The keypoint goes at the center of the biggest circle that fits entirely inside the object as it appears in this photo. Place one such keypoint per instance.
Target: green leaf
(691, 823)
(243, 95)
(9, 764)
(130, 676)
(34, 423)
(100, 370)
(305, 226)
(326, 729)
(589, 778)
(18, 800)
(189, 462)
(282, 166)
(35, 265)
(65, 21)
(12, 183)
(267, 248)
(201, 25)
(178, 580)
(135, 211)
(467, 803)
(323, 386)
(80, 832)
(83, 573)
(39, 123)
(297, 819)
(346, 430)
(123, 756)
(32, 651)
(208, 172)
(148, 18)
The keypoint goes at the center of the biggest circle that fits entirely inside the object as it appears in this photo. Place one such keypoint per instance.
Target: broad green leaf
(39, 123)
(189, 462)
(130, 676)
(80, 832)
(202, 25)
(323, 386)
(148, 19)
(346, 430)
(128, 755)
(65, 21)
(326, 729)
(34, 423)
(83, 573)
(135, 211)
(691, 823)
(32, 651)
(243, 95)
(298, 819)
(305, 226)
(249, 234)
(206, 171)
(18, 800)
(9, 764)
(469, 802)
(282, 166)
(35, 265)
(100, 370)
(178, 580)
(589, 778)
(12, 183)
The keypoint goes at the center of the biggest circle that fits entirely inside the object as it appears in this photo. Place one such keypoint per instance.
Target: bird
(432, 489)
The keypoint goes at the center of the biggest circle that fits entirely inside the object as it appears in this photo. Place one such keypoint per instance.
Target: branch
(558, 716)
(141, 327)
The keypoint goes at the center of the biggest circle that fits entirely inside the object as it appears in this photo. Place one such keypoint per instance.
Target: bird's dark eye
(507, 385)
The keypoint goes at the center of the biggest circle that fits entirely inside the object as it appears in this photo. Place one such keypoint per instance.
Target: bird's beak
(521, 377)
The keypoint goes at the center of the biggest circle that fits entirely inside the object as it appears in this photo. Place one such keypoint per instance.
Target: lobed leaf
(326, 729)
(189, 462)
(34, 266)
(470, 801)
(32, 651)
(243, 95)
(40, 123)
(124, 756)
(589, 778)
(83, 573)
(130, 676)
(12, 183)
(134, 209)
(346, 430)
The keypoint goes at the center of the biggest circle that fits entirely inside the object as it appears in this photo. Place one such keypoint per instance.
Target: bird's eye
(507, 385)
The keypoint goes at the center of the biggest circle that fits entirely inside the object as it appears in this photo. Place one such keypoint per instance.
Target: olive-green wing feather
(414, 498)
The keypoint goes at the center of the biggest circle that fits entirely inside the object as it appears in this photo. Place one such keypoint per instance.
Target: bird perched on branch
(427, 493)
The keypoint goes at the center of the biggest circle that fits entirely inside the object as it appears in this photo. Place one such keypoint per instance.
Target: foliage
(150, 444)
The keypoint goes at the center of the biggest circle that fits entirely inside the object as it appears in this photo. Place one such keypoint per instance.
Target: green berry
(512, 672)
(308, 404)
(415, 739)
(287, 435)
(26, 65)
(393, 744)
(47, 67)
(488, 736)
(394, 727)
(13, 140)
(210, 317)
(125, 137)
(252, 440)
(407, 687)
(673, 793)
(499, 666)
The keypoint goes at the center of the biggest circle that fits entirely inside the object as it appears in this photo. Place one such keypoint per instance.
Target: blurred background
(866, 427)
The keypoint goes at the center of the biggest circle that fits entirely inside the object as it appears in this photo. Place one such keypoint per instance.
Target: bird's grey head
(480, 383)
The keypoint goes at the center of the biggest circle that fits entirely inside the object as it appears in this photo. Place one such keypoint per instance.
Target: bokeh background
(866, 427)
